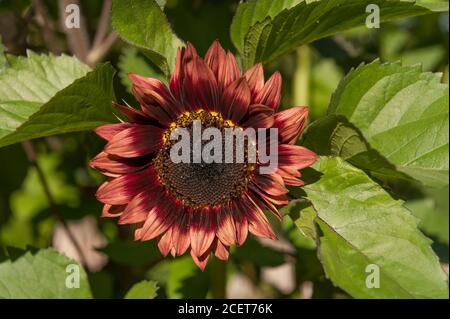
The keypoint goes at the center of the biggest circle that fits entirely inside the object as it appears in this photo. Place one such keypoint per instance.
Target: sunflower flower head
(203, 206)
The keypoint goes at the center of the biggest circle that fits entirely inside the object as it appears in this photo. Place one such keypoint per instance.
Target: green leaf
(143, 290)
(131, 62)
(433, 213)
(403, 114)
(335, 135)
(186, 280)
(142, 23)
(303, 216)
(263, 30)
(43, 95)
(3, 61)
(42, 275)
(362, 225)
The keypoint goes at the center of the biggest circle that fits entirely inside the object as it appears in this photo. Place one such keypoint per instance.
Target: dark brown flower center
(202, 184)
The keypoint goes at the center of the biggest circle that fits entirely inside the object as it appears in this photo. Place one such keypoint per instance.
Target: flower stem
(301, 81)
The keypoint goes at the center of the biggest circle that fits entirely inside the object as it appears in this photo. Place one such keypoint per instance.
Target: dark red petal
(259, 116)
(139, 207)
(290, 176)
(221, 251)
(255, 79)
(202, 230)
(240, 222)
(113, 210)
(111, 165)
(270, 94)
(135, 141)
(108, 131)
(271, 184)
(176, 81)
(215, 58)
(200, 86)
(291, 123)
(235, 100)
(152, 92)
(159, 219)
(258, 224)
(228, 71)
(226, 231)
(180, 238)
(132, 115)
(184, 56)
(295, 157)
(121, 190)
(165, 242)
(202, 260)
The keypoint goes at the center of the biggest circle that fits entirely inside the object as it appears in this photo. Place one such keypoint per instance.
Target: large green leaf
(42, 275)
(403, 114)
(263, 30)
(143, 290)
(44, 95)
(362, 225)
(335, 135)
(143, 24)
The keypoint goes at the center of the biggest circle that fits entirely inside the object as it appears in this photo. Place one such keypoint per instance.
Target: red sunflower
(200, 208)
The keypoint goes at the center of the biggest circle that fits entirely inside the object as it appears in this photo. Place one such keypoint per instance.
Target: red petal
(140, 206)
(152, 92)
(215, 58)
(135, 141)
(255, 79)
(132, 115)
(291, 123)
(235, 100)
(258, 224)
(200, 86)
(202, 260)
(181, 240)
(121, 190)
(113, 210)
(184, 56)
(295, 157)
(165, 242)
(111, 165)
(270, 94)
(160, 218)
(202, 230)
(108, 131)
(228, 71)
(221, 251)
(271, 184)
(290, 176)
(226, 231)
(260, 116)
(240, 223)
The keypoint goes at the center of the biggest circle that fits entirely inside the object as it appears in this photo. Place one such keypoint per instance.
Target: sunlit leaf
(403, 114)
(143, 290)
(363, 225)
(45, 274)
(263, 30)
(142, 23)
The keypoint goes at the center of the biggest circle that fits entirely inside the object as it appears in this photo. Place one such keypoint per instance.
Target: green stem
(301, 80)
